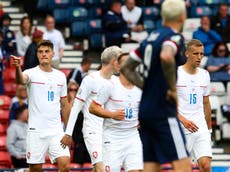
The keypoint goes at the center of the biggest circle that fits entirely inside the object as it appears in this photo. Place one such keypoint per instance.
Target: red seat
(5, 159)
(66, 71)
(9, 75)
(88, 166)
(74, 166)
(5, 102)
(3, 128)
(3, 143)
(10, 88)
(49, 166)
(4, 117)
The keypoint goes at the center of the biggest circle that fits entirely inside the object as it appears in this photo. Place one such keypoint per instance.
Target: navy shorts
(163, 140)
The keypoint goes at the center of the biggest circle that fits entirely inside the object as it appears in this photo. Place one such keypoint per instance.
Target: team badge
(107, 168)
(95, 154)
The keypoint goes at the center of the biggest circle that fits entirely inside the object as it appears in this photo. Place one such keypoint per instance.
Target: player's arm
(129, 70)
(20, 77)
(207, 111)
(67, 138)
(65, 109)
(188, 124)
(168, 66)
(97, 109)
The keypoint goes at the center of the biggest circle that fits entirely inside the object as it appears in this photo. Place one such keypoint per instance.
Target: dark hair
(112, 2)
(21, 24)
(46, 43)
(216, 47)
(86, 60)
(120, 57)
(18, 111)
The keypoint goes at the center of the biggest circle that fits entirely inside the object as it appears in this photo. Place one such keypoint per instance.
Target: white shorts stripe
(178, 140)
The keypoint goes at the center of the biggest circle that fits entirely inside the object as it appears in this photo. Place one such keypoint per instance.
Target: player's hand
(172, 95)
(16, 61)
(66, 141)
(190, 125)
(118, 114)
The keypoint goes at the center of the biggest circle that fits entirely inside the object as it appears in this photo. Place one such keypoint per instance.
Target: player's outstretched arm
(67, 139)
(129, 70)
(20, 77)
(96, 109)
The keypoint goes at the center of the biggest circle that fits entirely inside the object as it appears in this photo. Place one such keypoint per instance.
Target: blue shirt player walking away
(159, 55)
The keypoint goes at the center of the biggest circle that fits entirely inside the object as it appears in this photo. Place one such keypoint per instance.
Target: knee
(35, 168)
(98, 167)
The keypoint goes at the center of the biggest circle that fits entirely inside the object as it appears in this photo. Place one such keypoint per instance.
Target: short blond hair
(109, 53)
(172, 9)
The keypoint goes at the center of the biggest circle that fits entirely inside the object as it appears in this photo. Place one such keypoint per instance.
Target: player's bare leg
(135, 171)
(63, 163)
(35, 167)
(182, 165)
(98, 167)
(151, 167)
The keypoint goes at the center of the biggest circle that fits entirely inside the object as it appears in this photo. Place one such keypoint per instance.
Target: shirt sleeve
(28, 73)
(103, 95)
(207, 89)
(64, 87)
(85, 88)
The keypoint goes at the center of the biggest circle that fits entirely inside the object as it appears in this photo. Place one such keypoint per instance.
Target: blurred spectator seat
(211, 2)
(3, 129)
(95, 25)
(88, 166)
(59, 15)
(9, 74)
(58, 3)
(4, 117)
(42, 5)
(217, 89)
(47, 167)
(10, 88)
(85, 2)
(157, 2)
(5, 102)
(95, 12)
(76, 13)
(151, 12)
(66, 71)
(3, 143)
(191, 24)
(96, 40)
(5, 159)
(149, 25)
(73, 167)
(79, 28)
(199, 11)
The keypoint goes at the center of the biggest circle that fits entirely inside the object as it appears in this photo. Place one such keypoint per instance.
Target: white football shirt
(191, 90)
(115, 97)
(87, 91)
(45, 90)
